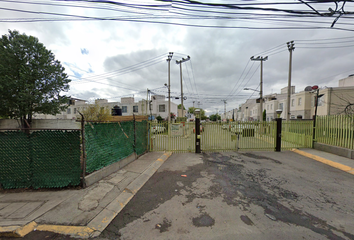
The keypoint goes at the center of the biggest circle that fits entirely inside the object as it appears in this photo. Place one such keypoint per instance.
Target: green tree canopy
(31, 80)
(180, 106)
(214, 117)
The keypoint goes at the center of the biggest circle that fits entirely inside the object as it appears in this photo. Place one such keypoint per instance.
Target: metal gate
(232, 136)
(175, 137)
(236, 136)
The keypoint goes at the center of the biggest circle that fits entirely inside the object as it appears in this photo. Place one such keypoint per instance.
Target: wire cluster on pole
(261, 59)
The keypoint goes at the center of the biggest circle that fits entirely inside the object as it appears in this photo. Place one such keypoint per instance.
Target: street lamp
(251, 89)
(278, 111)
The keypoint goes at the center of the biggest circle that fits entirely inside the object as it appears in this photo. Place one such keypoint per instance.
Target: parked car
(226, 127)
(158, 129)
(245, 130)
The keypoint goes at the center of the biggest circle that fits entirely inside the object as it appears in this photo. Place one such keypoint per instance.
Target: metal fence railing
(336, 130)
(297, 133)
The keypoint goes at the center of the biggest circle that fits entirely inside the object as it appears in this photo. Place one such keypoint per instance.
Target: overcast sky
(124, 57)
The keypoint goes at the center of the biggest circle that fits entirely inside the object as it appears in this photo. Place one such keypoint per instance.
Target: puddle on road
(203, 220)
(246, 220)
(254, 156)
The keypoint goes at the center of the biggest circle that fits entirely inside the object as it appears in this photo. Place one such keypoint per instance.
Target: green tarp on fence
(43, 159)
(107, 143)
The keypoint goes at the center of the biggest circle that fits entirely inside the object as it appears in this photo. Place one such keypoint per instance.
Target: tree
(31, 80)
(96, 113)
(264, 116)
(180, 106)
(214, 117)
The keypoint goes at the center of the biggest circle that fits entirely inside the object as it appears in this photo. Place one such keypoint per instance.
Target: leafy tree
(180, 106)
(30, 78)
(215, 117)
(96, 113)
(264, 116)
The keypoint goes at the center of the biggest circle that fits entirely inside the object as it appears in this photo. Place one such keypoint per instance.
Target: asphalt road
(258, 195)
(233, 195)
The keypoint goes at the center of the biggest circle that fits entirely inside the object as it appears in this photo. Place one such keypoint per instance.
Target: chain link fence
(41, 159)
(107, 143)
(56, 158)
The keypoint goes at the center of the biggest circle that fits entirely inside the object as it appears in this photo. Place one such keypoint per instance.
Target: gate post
(197, 130)
(278, 134)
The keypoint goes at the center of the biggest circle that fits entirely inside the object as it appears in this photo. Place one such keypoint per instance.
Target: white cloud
(218, 56)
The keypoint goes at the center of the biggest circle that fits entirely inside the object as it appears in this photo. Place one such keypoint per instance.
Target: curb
(339, 166)
(95, 227)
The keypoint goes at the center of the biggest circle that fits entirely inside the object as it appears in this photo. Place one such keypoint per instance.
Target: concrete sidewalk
(342, 163)
(79, 213)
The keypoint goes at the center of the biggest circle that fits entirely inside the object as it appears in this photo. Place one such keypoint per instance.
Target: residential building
(159, 107)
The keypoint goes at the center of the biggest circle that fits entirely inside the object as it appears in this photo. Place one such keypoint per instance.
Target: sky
(120, 48)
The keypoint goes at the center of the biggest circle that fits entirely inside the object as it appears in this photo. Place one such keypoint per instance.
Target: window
(320, 101)
(162, 108)
(68, 111)
(281, 106)
(135, 109)
(74, 110)
(292, 102)
(271, 106)
(267, 107)
(124, 109)
(299, 102)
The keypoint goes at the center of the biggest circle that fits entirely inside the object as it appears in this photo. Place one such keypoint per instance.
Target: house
(158, 107)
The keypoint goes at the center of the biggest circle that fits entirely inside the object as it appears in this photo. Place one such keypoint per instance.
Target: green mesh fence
(15, 164)
(141, 129)
(44, 159)
(56, 159)
(107, 143)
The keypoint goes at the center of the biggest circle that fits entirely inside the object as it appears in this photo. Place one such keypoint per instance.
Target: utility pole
(169, 57)
(224, 107)
(180, 70)
(261, 85)
(291, 48)
(147, 101)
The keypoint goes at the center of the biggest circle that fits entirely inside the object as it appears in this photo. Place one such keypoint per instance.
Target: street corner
(17, 231)
(337, 165)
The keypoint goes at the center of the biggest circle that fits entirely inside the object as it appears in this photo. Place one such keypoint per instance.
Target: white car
(158, 129)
